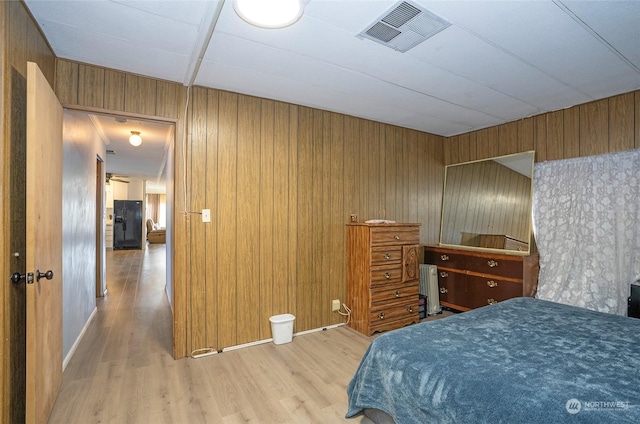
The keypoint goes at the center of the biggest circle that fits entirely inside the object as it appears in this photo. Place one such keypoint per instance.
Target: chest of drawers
(469, 279)
(382, 276)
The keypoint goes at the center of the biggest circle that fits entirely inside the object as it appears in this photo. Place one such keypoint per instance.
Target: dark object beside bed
(523, 360)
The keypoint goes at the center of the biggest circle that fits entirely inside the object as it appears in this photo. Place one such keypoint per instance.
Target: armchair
(155, 234)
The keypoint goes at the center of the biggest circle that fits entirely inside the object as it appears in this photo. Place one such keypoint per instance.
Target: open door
(44, 247)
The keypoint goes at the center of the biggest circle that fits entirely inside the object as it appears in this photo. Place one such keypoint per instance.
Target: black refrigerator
(127, 224)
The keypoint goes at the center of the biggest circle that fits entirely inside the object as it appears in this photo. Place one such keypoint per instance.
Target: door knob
(48, 275)
(16, 277)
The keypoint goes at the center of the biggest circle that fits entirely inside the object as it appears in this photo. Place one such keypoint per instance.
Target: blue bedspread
(520, 361)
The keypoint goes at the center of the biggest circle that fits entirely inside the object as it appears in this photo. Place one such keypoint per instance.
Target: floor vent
(404, 26)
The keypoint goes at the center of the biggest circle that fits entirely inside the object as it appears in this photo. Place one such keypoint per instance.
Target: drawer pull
(387, 256)
(492, 284)
(410, 309)
(491, 301)
(492, 263)
(387, 275)
(444, 257)
(381, 315)
(396, 293)
(443, 290)
(443, 274)
(397, 237)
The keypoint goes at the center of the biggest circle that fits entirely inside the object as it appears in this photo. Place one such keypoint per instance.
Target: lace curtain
(586, 220)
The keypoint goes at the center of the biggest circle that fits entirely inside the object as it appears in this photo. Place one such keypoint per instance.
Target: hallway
(123, 371)
(125, 344)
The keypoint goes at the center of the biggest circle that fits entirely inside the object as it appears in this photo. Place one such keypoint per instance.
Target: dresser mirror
(487, 204)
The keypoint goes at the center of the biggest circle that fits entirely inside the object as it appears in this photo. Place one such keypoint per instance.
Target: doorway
(93, 142)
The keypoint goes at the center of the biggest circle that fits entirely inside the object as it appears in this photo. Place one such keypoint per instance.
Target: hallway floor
(123, 371)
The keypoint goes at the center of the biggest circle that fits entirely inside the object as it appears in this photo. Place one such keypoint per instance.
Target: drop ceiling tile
(350, 15)
(540, 33)
(463, 54)
(617, 22)
(102, 50)
(116, 20)
(185, 11)
(420, 78)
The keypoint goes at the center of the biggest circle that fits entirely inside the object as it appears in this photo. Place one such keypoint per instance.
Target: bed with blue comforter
(522, 361)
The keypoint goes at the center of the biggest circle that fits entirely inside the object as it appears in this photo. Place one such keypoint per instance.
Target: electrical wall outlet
(206, 215)
(354, 217)
(335, 305)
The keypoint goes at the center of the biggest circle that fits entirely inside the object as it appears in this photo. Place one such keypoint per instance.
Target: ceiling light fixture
(270, 13)
(135, 139)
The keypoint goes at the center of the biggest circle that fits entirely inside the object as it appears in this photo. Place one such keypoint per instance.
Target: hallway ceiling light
(269, 13)
(135, 139)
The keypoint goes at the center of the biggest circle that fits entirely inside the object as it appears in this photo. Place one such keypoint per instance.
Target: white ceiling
(147, 161)
(499, 61)
(125, 162)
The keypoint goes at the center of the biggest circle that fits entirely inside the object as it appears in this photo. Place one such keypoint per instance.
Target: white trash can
(282, 328)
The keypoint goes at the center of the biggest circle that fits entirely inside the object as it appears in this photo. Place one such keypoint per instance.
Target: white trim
(257, 342)
(315, 330)
(67, 358)
(301, 333)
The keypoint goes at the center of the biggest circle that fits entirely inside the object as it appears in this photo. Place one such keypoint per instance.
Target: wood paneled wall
(603, 126)
(281, 181)
(21, 42)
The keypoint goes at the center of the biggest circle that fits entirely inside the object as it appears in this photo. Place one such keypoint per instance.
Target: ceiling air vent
(404, 26)
(111, 152)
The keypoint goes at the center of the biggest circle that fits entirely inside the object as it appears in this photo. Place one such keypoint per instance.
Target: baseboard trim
(301, 333)
(78, 339)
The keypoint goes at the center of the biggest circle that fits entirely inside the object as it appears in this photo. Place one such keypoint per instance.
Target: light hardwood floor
(123, 372)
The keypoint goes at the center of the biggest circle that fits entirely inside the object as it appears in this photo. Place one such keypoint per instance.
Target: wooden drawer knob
(443, 274)
(492, 263)
(410, 309)
(443, 290)
(444, 257)
(387, 275)
(492, 284)
(491, 301)
(381, 315)
(396, 293)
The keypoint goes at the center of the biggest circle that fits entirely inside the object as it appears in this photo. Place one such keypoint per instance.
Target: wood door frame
(170, 228)
(100, 230)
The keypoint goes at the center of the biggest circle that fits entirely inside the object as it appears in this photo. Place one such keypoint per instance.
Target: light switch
(206, 215)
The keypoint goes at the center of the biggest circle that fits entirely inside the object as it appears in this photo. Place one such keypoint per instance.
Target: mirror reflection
(487, 203)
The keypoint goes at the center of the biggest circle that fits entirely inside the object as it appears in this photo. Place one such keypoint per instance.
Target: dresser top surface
(482, 252)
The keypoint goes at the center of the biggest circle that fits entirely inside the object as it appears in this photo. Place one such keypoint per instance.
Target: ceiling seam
(595, 34)
(522, 60)
(200, 49)
(383, 80)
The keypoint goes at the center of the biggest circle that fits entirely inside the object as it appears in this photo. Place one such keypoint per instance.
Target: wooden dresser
(382, 276)
(469, 279)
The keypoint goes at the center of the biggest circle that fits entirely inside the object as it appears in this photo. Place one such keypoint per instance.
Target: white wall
(81, 146)
(120, 191)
